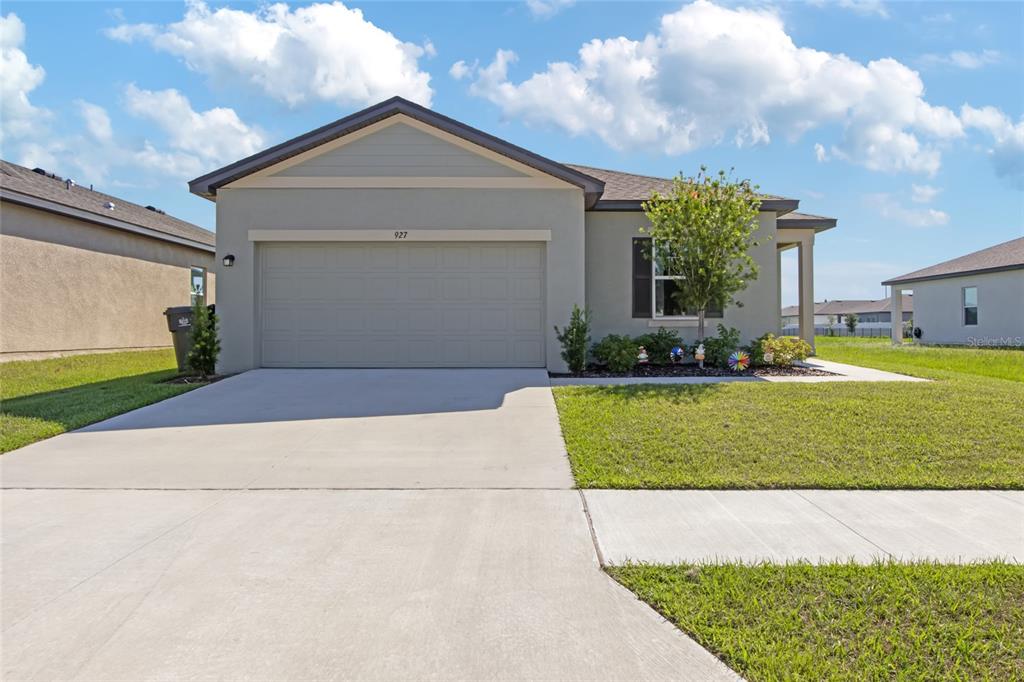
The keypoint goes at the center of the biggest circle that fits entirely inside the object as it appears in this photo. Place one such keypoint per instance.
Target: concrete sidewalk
(669, 526)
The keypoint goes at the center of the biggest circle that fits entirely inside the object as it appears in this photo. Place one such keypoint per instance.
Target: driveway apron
(320, 524)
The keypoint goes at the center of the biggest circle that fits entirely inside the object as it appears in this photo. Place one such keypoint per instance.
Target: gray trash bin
(179, 323)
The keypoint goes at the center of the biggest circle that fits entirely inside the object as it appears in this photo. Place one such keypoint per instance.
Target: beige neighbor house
(873, 315)
(83, 271)
(399, 237)
(976, 300)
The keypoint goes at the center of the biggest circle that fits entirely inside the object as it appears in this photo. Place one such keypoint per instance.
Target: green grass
(42, 398)
(961, 430)
(931, 362)
(846, 622)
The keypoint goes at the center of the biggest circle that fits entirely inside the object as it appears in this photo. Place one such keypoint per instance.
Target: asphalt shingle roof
(26, 181)
(1006, 256)
(859, 306)
(619, 186)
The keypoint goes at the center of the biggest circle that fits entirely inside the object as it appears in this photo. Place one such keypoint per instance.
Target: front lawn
(43, 398)
(846, 622)
(960, 431)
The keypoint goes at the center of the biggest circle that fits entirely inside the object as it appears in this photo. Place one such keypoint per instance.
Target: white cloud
(319, 52)
(820, 153)
(923, 194)
(962, 59)
(461, 69)
(96, 120)
(544, 9)
(711, 74)
(889, 208)
(1007, 150)
(18, 116)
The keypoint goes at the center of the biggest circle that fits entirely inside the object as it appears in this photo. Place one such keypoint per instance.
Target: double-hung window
(653, 289)
(970, 305)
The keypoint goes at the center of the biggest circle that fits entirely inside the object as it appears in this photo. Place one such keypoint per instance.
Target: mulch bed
(189, 379)
(692, 370)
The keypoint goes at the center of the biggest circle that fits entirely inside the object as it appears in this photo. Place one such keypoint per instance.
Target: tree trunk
(700, 326)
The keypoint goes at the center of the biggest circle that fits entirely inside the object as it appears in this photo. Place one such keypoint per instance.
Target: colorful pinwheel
(739, 361)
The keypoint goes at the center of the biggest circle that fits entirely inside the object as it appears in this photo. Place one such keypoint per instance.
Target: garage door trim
(400, 234)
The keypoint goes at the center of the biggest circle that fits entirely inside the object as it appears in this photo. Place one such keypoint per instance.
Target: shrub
(659, 345)
(785, 350)
(574, 339)
(851, 322)
(617, 352)
(202, 358)
(717, 349)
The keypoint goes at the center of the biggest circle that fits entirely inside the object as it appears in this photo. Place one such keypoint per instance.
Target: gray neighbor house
(873, 315)
(977, 299)
(400, 237)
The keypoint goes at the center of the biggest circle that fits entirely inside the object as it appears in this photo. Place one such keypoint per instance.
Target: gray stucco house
(400, 237)
(82, 271)
(977, 299)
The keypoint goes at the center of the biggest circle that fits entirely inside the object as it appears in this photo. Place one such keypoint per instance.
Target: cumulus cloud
(1007, 150)
(18, 116)
(319, 52)
(712, 74)
(961, 59)
(887, 206)
(96, 119)
(923, 194)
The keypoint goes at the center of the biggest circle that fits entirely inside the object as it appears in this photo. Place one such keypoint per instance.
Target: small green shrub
(202, 358)
(659, 345)
(851, 322)
(717, 349)
(785, 350)
(617, 352)
(574, 339)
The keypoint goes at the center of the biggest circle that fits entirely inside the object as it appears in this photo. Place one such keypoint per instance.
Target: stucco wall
(66, 285)
(239, 210)
(609, 282)
(938, 309)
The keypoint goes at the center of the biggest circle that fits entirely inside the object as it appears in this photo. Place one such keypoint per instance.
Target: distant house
(871, 314)
(977, 299)
(83, 271)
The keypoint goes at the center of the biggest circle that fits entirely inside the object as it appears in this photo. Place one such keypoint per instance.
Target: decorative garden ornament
(769, 358)
(676, 355)
(739, 361)
(698, 355)
(642, 356)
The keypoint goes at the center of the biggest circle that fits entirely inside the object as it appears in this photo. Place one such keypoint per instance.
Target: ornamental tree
(701, 234)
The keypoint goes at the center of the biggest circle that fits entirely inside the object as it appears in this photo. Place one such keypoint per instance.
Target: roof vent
(109, 205)
(41, 171)
(69, 183)
(154, 209)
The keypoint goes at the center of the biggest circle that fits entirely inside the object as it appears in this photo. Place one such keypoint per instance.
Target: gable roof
(859, 306)
(21, 185)
(207, 185)
(1006, 256)
(626, 191)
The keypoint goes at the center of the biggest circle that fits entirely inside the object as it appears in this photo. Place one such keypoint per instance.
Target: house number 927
(401, 235)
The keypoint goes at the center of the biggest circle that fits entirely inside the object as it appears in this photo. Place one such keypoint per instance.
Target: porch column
(896, 316)
(806, 250)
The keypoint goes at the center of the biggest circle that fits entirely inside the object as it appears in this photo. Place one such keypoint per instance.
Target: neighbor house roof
(1006, 256)
(208, 184)
(626, 191)
(47, 192)
(859, 306)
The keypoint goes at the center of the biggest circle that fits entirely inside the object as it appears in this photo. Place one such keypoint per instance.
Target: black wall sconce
(228, 261)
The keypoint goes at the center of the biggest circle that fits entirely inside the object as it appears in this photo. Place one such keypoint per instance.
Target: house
(400, 237)
(871, 314)
(977, 299)
(84, 271)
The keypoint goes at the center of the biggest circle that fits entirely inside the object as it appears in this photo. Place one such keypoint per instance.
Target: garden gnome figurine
(698, 355)
(642, 357)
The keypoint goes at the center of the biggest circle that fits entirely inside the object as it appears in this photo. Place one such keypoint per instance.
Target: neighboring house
(399, 237)
(977, 299)
(84, 271)
(871, 314)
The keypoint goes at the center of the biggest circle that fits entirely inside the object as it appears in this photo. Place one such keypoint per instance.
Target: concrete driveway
(320, 524)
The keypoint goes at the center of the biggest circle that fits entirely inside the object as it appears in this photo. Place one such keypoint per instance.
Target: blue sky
(904, 120)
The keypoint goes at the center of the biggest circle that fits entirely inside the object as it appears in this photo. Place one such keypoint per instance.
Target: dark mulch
(692, 370)
(192, 379)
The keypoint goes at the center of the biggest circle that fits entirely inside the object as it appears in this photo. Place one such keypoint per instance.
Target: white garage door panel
(344, 304)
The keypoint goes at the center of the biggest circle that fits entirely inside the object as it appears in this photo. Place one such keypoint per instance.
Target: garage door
(436, 304)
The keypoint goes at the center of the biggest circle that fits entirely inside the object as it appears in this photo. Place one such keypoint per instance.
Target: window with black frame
(197, 285)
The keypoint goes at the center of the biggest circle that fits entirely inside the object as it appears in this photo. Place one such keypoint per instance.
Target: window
(653, 289)
(197, 284)
(970, 303)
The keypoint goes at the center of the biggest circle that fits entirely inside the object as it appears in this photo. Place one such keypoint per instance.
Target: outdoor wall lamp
(228, 261)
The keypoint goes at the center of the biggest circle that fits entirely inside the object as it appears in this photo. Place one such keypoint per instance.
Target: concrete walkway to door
(320, 524)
